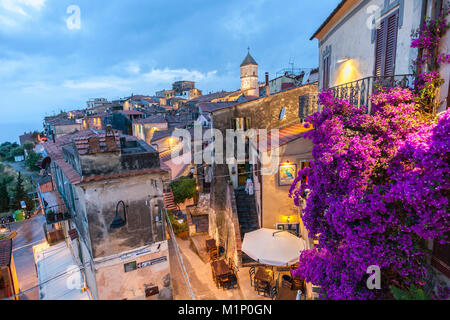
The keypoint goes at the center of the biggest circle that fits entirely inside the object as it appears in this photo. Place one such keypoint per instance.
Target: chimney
(110, 139)
(267, 85)
(94, 145)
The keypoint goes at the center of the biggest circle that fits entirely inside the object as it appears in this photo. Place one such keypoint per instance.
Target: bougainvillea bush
(379, 183)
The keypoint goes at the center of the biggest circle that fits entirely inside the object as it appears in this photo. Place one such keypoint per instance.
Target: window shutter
(247, 124)
(386, 46)
(391, 44)
(380, 49)
(326, 72)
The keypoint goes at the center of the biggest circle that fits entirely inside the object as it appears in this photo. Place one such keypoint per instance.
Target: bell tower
(249, 76)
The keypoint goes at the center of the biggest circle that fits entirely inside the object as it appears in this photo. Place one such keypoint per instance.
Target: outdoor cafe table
(264, 275)
(210, 244)
(221, 269)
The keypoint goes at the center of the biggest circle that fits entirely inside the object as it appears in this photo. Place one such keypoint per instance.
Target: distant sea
(11, 131)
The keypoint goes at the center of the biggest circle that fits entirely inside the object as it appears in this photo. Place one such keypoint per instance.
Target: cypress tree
(4, 197)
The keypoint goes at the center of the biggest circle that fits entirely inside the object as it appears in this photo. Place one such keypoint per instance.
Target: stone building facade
(112, 187)
(271, 112)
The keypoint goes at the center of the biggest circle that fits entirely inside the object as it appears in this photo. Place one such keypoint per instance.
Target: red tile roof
(5, 252)
(131, 112)
(212, 106)
(80, 139)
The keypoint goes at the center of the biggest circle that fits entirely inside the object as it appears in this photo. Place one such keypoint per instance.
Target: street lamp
(118, 222)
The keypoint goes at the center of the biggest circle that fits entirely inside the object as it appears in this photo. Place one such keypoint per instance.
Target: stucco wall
(276, 204)
(62, 130)
(113, 283)
(101, 200)
(353, 39)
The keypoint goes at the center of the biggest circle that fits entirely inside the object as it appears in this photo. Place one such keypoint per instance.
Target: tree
(17, 151)
(183, 189)
(19, 193)
(4, 197)
(32, 159)
(379, 184)
(28, 146)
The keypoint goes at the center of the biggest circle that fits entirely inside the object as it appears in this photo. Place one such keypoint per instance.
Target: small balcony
(359, 92)
(57, 214)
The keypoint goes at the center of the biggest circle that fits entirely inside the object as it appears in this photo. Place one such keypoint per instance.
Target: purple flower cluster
(428, 38)
(379, 184)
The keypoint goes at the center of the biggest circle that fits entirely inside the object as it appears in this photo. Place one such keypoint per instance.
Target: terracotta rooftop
(212, 106)
(5, 252)
(131, 112)
(154, 119)
(211, 96)
(81, 140)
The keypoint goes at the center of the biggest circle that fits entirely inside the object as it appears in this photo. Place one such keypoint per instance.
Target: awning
(273, 247)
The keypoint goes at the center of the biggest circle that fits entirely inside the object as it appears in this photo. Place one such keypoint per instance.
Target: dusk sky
(136, 46)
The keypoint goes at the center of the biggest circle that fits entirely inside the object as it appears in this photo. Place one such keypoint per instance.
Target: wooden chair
(251, 273)
(262, 287)
(274, 291)
(229, 282)
(214, 254)
(298, 284)
(214, 276)
(286, 281)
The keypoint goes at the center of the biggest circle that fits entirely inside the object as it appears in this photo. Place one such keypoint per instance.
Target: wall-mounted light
(118, 222)
(342, 60)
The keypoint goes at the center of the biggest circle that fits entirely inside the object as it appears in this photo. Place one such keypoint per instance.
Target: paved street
(29, 233)
(20, 167)
(200, 277)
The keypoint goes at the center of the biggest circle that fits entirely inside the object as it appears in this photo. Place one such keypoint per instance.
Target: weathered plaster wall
(114, 283)
(276, 204)
(224, 226)
(101, 200)
(63, 130)
(264, 114)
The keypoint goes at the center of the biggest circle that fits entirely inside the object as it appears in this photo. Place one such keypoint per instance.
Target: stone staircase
(248, 217)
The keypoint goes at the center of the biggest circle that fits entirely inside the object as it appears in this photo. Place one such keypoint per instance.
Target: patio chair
(286, 281)
(263, 287)
(214, 254)
(251, 273)
(298, 284)
(214, 276)
(232, 265)
(274, 290)
(229, 282)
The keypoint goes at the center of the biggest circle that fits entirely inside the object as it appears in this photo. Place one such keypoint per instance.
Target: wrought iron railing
(58, 213)
(359, 92)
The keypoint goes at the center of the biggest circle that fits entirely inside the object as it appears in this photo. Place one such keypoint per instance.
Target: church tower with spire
(249, 76)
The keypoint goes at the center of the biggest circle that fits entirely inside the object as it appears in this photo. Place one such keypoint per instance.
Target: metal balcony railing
(58, 213)
(359, 92)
